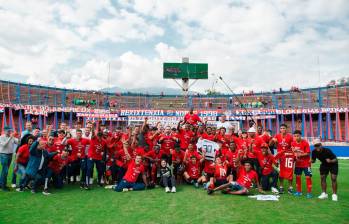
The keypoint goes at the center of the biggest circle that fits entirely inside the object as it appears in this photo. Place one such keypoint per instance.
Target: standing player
(302, 150)
(282, 140)
(286, 162)
(329, 164)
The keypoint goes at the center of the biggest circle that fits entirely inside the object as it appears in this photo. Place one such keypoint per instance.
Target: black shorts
(324, 170)
(220, 182)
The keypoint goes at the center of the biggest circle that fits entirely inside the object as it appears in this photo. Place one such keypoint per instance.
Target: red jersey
(245, 178)
(57, 163)
(193, 170)
(220, 172)
(139, 151)
(23, 155)
(58, 144)
(133, 172)
(287, 159)
(256, 147)
(266, 163)
(51, 148)
(96, 149)
(78, 147)
(185, 137)
(155, 156)
(232, 158)
(120, 159)
(167, 143)
(266, 138)
(302, 147)
(283, 142)
(210, 137)
(189, 154)
(209, 167)
(224, 139)
(192, 119)
(178, 156)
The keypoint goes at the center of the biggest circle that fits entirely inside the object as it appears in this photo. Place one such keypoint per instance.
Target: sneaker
(19, 190)
(334, 197)
(290, 190)
(130, 189)
(167, 190)
(87, 187)
(274, 190)
(45, 192)
(309, 195)
(109, 187)
(209, 191)
(13, 185)
(124, 189)
(323, 195)
(173, 190)
(281, 190)
(297, 194)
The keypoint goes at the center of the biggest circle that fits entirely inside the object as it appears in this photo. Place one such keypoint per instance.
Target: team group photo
(174, 112)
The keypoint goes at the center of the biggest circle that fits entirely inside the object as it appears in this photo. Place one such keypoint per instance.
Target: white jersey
(225, 124)
(209, 146)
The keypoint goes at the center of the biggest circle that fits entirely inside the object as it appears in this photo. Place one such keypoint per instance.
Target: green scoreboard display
(185, 70)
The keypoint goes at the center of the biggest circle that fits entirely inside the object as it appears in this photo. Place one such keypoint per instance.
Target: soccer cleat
(209, 191)
(196, 184)
(19, 190)
(281, 191)
(309, 195)
(173, 190)
(45, 192)
(274, 190)
(13, 185)
(290, 190)
(297, 194)
(87, 187)
(323, 195)
(334, 197)
(167, 190)
(124, 189)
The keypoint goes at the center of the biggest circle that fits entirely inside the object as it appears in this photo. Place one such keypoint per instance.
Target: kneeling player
(192, 172)
(220, 174)
(129, 182)
(246, 176)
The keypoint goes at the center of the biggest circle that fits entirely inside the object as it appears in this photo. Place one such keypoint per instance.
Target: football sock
(299, 183)
(309, 184)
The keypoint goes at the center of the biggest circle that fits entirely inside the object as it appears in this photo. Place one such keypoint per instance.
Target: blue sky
(255, 45)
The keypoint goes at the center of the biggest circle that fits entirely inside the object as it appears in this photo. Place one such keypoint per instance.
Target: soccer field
(188, 205)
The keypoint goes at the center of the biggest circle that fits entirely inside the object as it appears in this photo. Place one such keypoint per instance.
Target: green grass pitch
(188, 205)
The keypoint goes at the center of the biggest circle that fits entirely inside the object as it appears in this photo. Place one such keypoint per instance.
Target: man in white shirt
(7, 142)
(224, 123)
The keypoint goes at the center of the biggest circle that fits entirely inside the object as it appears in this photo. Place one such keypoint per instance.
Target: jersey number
(208, 148)
(289, 163)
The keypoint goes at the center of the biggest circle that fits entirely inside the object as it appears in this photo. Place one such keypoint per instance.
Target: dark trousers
(5, 160)
(168, 181)
(269, 180)
(37, 180)
(135, 186)
(57, 178)
(90, 166)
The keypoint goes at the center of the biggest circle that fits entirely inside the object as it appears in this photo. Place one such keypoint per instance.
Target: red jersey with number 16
(287, 159)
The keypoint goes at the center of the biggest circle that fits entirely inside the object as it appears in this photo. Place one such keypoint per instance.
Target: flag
(320, 127)
(71, 119)
(11, 120)
(338, 128)
(346, 126)
(20, 121)
(311, 126)
(4, 122)
(304, 126)
(292, 124)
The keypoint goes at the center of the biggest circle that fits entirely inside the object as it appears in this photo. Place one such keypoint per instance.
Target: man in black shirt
(329, 164)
